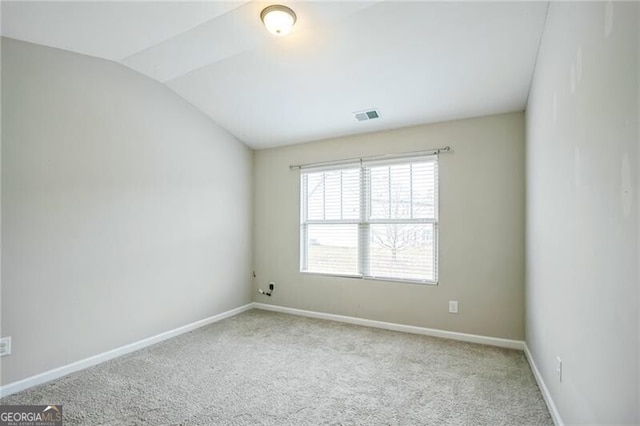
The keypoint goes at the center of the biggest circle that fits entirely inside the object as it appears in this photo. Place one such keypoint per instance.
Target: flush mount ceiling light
(278, 19)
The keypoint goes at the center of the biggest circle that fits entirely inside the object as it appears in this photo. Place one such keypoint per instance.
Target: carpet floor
(273, 369)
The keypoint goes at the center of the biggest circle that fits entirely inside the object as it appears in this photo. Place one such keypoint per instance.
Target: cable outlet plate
(5, 346)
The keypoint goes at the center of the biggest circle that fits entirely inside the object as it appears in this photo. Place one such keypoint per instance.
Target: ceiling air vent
(366, 115)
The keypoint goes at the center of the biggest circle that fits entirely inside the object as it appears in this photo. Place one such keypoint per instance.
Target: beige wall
(582, 211)
(125, 211)
(481, 230)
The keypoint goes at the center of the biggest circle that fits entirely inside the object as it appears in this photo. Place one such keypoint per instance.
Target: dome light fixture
(278, 19)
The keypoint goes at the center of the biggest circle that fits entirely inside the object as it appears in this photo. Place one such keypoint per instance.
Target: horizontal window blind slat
(370, 221)
(333, 221)
(391, 221)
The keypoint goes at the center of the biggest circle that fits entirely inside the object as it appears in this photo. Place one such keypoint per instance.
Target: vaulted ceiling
(416, 62)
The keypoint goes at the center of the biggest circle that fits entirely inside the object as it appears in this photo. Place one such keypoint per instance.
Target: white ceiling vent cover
(367, 115)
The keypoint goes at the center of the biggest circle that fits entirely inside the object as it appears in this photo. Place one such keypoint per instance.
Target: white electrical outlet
(453, 306)
(559, 369)
(5, 346)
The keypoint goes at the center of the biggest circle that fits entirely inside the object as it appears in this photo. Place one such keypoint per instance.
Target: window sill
(361, 277)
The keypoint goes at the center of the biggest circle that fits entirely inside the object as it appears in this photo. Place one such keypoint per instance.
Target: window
(376, 220)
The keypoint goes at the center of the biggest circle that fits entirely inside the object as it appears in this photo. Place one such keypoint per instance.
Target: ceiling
(416, 62)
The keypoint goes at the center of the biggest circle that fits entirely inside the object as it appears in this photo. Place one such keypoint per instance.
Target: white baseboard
(473, 338)
(553, 410)
(56, 373)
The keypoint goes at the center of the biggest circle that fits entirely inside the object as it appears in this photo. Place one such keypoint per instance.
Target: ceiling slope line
(176, 35)
(326, 25)
(535, 63)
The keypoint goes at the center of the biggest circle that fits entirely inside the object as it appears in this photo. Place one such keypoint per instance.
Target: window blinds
(371, 220)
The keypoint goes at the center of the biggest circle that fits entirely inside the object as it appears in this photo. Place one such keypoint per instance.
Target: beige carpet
(266, 368)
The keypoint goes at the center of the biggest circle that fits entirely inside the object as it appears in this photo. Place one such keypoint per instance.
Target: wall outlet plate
(559, 369)
(453, 306)
(5, 346)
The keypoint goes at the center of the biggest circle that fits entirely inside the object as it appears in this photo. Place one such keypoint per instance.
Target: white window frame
(364, 222)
